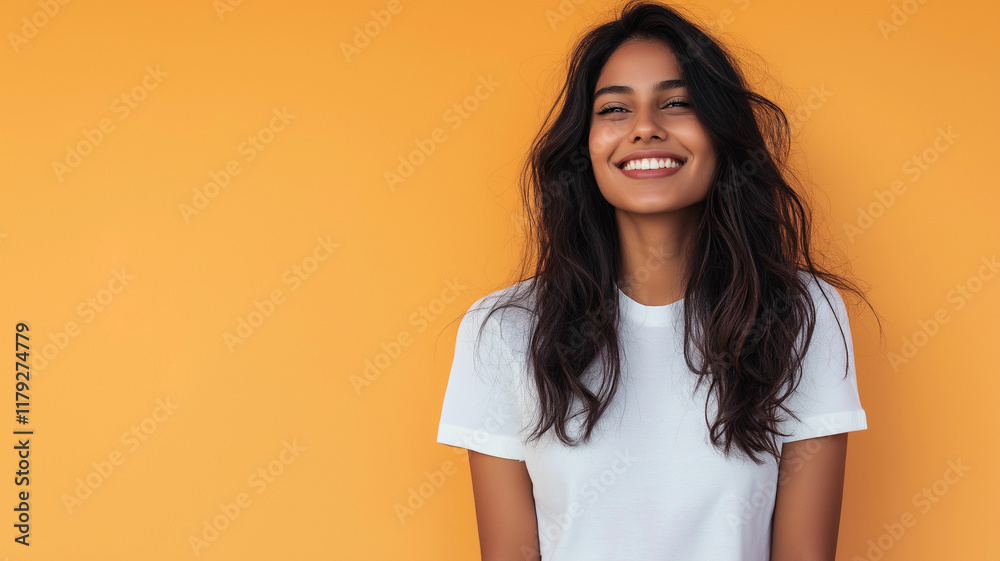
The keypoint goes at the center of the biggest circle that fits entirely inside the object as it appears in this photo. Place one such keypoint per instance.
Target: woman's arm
(807, 504)
(505, 508)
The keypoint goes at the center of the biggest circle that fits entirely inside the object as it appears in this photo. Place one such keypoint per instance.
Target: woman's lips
(650, 173)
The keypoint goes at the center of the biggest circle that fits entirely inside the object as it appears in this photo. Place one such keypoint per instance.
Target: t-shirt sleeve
(825, 401)
(480, 403)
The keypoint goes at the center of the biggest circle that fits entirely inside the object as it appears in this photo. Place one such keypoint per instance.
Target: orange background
(407, 260)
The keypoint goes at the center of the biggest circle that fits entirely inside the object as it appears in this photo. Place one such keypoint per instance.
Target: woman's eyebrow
(625, 90)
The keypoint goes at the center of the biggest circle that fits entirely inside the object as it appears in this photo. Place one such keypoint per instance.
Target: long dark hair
(746, 302)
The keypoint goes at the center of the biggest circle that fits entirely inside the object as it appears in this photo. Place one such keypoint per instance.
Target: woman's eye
(677, 103)
(609, 109)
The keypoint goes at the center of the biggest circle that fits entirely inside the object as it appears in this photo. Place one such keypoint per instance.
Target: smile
(650, 163)
(650, 168)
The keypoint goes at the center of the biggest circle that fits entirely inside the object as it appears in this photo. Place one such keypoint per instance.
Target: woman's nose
(647, 125)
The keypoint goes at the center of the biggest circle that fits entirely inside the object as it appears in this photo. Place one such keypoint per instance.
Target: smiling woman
(645, 127)
(676, 379)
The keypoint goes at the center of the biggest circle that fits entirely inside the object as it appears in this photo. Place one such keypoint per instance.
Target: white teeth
(651, 163)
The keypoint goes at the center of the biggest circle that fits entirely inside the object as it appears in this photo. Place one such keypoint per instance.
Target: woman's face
(649, 152)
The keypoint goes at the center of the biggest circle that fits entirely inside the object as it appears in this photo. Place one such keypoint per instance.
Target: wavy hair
(746, 303)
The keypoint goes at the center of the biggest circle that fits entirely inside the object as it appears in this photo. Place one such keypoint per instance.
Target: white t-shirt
(649, 484)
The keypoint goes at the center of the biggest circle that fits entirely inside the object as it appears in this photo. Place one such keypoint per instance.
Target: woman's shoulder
(506, 313)
(830, 309)
(821, 290)
(519, 296)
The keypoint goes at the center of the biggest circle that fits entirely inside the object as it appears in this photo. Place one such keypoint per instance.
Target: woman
(676, 380)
